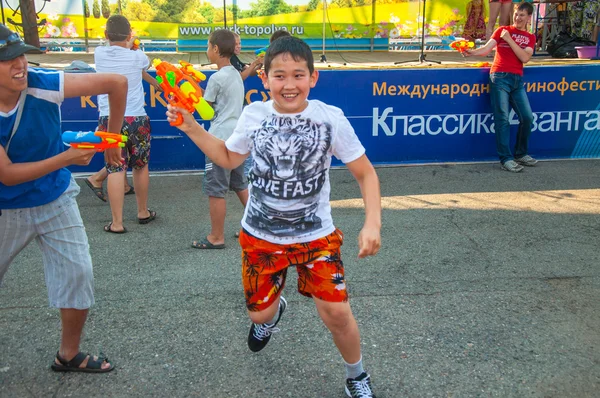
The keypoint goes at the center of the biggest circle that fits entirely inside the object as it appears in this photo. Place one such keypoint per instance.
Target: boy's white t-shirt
(126, 62)
(289, 179)
(225, 89)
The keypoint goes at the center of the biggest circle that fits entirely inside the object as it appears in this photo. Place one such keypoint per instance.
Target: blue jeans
(507, 91)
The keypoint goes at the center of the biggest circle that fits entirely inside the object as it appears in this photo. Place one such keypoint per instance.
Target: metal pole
(225, 14)
(2, 10)
(235, 12)
(372, 25)
(323, 57)
(85, 27)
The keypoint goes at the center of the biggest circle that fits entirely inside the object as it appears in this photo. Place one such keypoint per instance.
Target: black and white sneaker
(359, 387)
(526, 161)
(260, 334)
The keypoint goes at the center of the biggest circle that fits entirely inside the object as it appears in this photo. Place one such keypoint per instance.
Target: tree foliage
(96, 9)
(105, 9)
(208, 12)
(176, 11)
(201, 11)
(263, 8)
(313, 5)
(139, 12)
(218, 16)
(86, 9)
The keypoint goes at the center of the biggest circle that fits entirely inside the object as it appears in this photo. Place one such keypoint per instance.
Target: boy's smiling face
(290, 82)
(13, 75)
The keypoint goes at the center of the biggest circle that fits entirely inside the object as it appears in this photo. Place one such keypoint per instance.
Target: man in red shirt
(514, 48)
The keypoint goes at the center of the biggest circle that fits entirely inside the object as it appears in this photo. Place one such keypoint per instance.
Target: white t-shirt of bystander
(126, 62)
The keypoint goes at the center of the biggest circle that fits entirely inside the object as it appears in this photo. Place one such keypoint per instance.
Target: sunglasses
(13, 38)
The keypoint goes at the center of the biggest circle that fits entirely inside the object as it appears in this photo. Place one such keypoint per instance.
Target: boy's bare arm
(18, 173)
(369, 239)
(151, 81)
(213, 147)
(102, 83)
(482, 51)
(252, 69)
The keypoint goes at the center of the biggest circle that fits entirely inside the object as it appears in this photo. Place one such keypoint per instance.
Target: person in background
(498, 8)
(245, 70)
(475, 25)
(119, 58)
(225, 92)
(583, 17)
(96, 180)
(514, 49)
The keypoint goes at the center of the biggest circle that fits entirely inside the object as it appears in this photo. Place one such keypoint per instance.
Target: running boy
(37, 191)
(225, 92)
(119, 58)
(287, 221)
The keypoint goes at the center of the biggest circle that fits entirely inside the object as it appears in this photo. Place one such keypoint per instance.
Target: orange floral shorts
(318, 263)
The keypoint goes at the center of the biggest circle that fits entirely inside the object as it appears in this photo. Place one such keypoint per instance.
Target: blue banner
(410, 115)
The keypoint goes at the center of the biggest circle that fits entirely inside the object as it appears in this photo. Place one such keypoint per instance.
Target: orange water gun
(95, 140)
(181, 89)
(462, 45)
(135, 45)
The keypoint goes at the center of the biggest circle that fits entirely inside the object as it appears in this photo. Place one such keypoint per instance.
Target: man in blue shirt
(37, 192)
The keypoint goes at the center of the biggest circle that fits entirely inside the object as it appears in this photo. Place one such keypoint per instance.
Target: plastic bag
(563, 45)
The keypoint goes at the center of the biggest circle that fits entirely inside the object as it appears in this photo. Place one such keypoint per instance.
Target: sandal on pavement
(99, 192)
(130, 192)
(146, 220)
(108, 228)
(206, 244)
(92, 366)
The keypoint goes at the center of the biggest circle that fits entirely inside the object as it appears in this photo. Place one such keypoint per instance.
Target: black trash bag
(563, 45)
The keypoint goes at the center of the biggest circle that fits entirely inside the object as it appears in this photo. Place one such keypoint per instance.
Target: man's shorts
(58, 229)
(217, 180)
(137, 149)
(318, 263)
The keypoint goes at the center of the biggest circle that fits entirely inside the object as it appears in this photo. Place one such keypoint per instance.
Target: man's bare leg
(141, 181)
(97, 179)
(73, 321)
(116, 198)
(218, 210)
(243, 196)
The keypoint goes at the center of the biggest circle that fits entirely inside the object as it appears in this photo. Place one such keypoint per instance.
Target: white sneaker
(512, 166)
(526, 161)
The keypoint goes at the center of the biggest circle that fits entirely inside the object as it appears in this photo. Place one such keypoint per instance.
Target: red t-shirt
(506, 60)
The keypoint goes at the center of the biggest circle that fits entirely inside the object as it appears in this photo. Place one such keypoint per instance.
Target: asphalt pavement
(487, 285)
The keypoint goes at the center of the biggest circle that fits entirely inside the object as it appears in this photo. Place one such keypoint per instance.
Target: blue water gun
(261, 51)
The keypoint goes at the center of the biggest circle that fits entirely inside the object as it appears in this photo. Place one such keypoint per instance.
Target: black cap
(11, 45)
